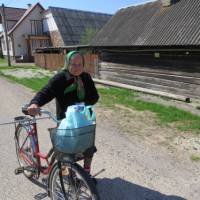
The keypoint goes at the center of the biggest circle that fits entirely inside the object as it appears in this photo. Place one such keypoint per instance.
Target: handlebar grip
(24, 109)
(51, 115)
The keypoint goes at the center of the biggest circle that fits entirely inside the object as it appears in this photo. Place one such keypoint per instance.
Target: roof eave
(24, 17)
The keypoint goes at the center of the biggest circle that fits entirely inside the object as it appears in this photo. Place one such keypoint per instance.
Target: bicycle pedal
(19, 170)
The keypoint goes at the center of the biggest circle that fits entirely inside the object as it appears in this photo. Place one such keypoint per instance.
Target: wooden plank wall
(175, 72)
(56, 61)
(91, 63)
(49, 61)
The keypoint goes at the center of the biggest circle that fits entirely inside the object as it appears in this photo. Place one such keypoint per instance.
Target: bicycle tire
(19, 133)
(81, 175)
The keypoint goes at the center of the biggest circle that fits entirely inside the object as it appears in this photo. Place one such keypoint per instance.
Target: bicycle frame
(32, 132)
(31, 127)
(33, 157)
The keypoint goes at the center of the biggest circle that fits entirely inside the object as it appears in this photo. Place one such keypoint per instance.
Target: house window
(36, 27)
(1, 28)
(45, 26)
(39, 43)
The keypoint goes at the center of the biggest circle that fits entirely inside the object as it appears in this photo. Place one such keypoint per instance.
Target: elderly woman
(72, 85)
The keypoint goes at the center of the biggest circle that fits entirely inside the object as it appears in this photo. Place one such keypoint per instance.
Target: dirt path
(139, 163)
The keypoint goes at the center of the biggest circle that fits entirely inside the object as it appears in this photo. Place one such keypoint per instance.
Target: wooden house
(154, 45)
(26, 35)
(36, 27)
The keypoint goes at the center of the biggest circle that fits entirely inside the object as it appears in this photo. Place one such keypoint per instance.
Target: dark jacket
(55, 89)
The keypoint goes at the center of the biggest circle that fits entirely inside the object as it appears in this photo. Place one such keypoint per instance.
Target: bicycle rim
(24, 150)
(77, 184)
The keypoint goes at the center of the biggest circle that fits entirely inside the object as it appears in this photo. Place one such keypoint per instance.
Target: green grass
(183, 120)
(2, 61)
(195, 158)
(23, 66)
(34, 83)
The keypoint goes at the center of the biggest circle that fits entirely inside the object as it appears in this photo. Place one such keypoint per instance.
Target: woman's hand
(33, 110)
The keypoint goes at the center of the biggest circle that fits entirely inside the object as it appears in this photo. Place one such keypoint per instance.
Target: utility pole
(6, 35)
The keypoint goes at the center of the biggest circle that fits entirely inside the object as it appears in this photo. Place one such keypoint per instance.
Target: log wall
(174, 72)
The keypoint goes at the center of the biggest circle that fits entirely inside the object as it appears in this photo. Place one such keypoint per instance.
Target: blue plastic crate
(72, 141)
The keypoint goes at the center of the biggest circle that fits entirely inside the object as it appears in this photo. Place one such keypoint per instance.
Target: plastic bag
(78, 116)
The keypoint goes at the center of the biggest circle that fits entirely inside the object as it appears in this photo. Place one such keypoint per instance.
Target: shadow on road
(42, 184)
(119, 189)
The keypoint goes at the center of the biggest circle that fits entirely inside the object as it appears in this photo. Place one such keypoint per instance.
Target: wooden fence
(49, 61)
(53, 61)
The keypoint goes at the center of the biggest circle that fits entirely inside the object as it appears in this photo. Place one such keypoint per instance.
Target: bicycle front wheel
(70, 181)
(24, 151)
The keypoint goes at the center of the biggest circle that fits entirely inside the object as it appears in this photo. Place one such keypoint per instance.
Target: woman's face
(76, 65)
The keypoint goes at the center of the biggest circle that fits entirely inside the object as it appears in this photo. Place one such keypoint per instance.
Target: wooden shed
(52, 58)
(154, 45)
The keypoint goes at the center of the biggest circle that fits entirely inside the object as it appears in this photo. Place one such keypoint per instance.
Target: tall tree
(88, 35)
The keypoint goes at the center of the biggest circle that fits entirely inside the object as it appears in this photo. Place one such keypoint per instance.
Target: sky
(102, 6)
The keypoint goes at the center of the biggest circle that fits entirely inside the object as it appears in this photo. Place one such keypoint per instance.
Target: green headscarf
(68, 58)
(78, 83)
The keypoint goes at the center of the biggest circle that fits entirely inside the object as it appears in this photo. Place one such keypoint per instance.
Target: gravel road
(134, 169)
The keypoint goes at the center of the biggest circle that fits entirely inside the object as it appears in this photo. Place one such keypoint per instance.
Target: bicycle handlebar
(42, 111)
(51, 115)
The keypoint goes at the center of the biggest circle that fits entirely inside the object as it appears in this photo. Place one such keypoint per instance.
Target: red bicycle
(66, 179)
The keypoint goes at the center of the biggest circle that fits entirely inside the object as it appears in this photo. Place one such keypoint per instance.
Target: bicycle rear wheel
(70, 181)
(24, 151)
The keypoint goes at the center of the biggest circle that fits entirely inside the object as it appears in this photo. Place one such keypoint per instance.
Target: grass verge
(3, 61)
(18, 67)
(110, 97)
(183, 120)
(34, 83)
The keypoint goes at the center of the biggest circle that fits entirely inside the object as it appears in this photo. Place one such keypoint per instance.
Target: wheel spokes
(75, 191)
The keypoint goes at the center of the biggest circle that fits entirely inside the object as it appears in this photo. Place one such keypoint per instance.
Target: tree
(87, 35)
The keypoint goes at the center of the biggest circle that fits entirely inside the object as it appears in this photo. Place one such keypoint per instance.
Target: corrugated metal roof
(28, 11)
(151, 24)
(73, 23)
(12, 14)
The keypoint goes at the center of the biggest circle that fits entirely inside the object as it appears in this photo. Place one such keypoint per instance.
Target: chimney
(166, 3)
(29, 5)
